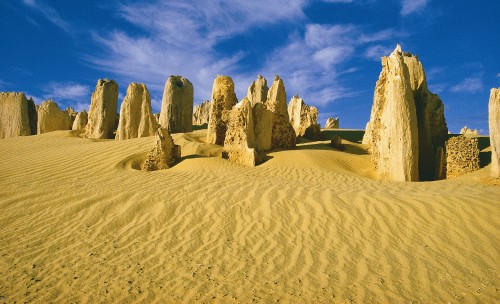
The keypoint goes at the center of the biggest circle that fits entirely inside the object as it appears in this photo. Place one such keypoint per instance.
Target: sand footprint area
(78, 224)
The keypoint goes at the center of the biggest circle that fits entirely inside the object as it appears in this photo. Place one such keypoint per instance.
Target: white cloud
(67, 92)
(498, 75)
(412, 6)
(375, 52)
(468, 85)
(49, 13)
(337, 1)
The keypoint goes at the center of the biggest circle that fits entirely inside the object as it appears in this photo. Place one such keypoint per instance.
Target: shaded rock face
(258, 90)
(14, 115)
(466, 130)
(136, 115)
(201, 113)
(393, 129)
(494, 125)
(51, 118)
(164, 154)
(102, 113)
(407, 129)
(462, 156)
(332, 123)
(177, 105)
(81, 120)
(223, 100)
(33, 116)
(276, 98)
(303, 118)
(249, 131)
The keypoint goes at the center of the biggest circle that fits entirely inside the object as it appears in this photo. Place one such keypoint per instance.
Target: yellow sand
(79, 224)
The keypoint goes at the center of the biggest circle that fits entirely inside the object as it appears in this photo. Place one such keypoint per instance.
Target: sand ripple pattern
(76, 225)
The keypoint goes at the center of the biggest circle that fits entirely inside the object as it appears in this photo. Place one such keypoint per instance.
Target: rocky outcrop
(201, 113)
(249, 131)
(136, 115)
(164, 154)
(81, 120)
(304, 118)
(258, 90)
(102, 113)
(72, 114)
(177, 105)
(462, 156)
(51, 118)
(336, 142)
(14, 115)
(276, 98)
(332, 123)
(466, 130)
(393, 122)
(407, 129)
(223, 100)
(494, 125)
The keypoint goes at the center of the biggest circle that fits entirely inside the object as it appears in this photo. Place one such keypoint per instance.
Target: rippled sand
(79, 224)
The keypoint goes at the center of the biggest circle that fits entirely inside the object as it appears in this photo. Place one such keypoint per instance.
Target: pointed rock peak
(276, 77)
(259, 76)
(398, 49)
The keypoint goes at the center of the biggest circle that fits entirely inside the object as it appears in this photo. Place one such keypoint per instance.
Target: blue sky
(327, 51)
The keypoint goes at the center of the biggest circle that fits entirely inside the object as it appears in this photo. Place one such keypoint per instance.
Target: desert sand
(78, 224)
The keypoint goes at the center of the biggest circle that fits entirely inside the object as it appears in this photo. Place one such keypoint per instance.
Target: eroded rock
(81, 120)
(102, 117)
(332, 123)
(136, 116)
(407, 128)
(177, 105)
(462, 156)
(466, 131)
(14, 115)
(223, 100)
(303, 118)
(201, 113)
(164, 154)
(258, 90)
(51, 118)
(494, 125)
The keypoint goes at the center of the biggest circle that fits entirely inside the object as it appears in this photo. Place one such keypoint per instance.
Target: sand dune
(79, 224)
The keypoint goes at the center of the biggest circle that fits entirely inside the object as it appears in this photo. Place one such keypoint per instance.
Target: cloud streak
(66, 91)
(468, 85)
(413, 6)
(48, 13)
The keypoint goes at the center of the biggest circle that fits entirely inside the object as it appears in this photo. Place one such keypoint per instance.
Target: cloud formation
(412, 6)
(48, 13)
(468, 85)
(67, 92)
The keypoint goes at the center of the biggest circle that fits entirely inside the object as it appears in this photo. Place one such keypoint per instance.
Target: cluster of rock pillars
(407, 133)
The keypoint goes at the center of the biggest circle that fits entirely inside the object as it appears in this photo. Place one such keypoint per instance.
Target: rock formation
(33, 115)
(102, 112)
(336, 142)
(164, 154)
(223, 99)
(494, 125)
(466, 130)
(136, 115)
(462, 156)
(283, 134)
(201, 113)
(81, 120)
(249, 131)
(276, 98)
(407, 129)
(177, 105)
(14, 115)
(304, 118)
(51, 118)
(258, 90)
(332, 123)
(72, 114)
